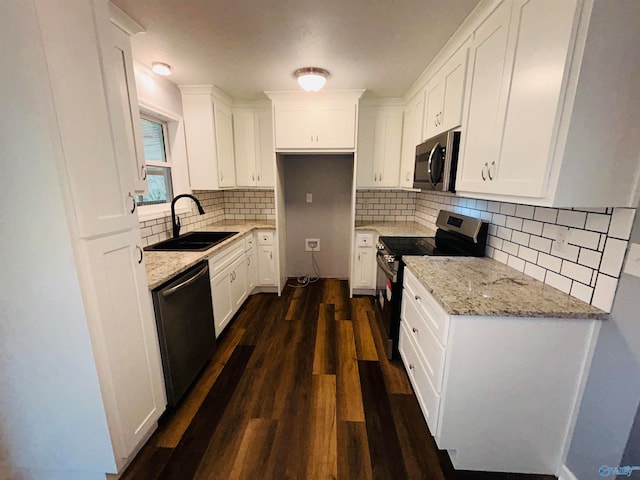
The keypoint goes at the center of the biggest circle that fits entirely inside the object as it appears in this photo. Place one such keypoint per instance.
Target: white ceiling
(245, 47)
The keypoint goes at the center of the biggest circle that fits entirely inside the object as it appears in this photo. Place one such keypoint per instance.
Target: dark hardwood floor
(299, 388)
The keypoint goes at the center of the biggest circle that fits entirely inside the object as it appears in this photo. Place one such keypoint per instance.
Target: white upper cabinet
(550, 113)
(327, 121)
(411, 137)
(253, 143)
(125, 77)
(445, 94)
(209, 136)
(379, 146)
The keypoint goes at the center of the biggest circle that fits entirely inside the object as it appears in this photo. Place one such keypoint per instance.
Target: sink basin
(191, 242)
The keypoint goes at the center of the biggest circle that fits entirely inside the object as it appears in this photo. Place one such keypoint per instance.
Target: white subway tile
(603, 239)
(558, 281)
(604, 292)
(510, 248)
(481, 204)
(504, 233)
(486, 216)
(613, 257)
(499, 219)
(549, 262)
(571, 218)
(568, 252)
(535, 271)
(500, 256)
(590, 258)
(598, 222)
(495, 242)
(550, 231)
(514, 223)
(531, 226)
(489, 252)
(520, 238)
(577, 272)
(547, 215)
(508, 208)
(494, 207)
(528, 254)
(517, 263)
(621, 222)
(584, 238)
(540, 244)
(581, 292)
(525, 211)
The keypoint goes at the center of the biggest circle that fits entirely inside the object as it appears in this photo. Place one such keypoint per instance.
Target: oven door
(386, 280)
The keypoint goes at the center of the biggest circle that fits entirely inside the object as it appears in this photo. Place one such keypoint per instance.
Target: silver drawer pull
(411, 367)
(415, 330)
(418, 297)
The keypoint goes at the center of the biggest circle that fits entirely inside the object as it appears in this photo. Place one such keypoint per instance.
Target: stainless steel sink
(191, 242)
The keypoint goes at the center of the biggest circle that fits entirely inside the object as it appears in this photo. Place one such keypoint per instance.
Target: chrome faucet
(175, 221)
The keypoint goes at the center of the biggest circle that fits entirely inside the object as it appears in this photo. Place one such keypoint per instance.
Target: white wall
(51, 418)
(329, 179)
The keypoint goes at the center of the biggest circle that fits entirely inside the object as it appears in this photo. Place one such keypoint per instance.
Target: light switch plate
(632, 263)
(309, 197)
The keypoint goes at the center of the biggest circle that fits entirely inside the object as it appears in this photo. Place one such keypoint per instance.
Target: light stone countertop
(397, 229)
(162, 266)
(470, 286)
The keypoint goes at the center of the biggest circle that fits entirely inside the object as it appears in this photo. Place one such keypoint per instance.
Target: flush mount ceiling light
(311, 79)
(161, 69)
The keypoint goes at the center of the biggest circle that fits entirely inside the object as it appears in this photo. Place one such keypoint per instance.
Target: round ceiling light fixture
(311, 79)
(161, 69)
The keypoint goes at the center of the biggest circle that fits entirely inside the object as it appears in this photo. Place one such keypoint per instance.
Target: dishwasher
(184, 317)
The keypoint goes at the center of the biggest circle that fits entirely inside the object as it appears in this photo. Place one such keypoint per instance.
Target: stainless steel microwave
(436, 163)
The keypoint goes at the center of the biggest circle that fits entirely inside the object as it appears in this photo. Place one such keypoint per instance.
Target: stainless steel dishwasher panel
(184, 317)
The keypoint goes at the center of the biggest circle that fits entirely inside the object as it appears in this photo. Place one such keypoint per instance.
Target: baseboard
(566, 474)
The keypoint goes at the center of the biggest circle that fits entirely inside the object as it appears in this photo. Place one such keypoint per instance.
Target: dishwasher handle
(186, 283)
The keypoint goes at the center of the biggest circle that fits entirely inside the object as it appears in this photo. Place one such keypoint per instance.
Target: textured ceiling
(245, 47)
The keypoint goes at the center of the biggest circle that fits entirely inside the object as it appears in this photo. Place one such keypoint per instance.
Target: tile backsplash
(579, 250)
(218, 206)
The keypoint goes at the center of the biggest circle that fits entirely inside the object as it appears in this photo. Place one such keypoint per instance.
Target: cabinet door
(266, 265)
(364, 271)
(538, 45)
(388, 147)
(484, 117)
(222, 299)
(224, 142)
(101, 184)
(264, 154)
(367, 175)
(252, 269)
(411, 137)
(293, 124)
(453, 78)
(244, 140)
(238, 282)
(434, 104)
(201, 142)
(125, 78)
(125, 340)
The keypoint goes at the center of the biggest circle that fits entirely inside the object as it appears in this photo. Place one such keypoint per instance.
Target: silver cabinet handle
(133, 202)
(221, 176)
(258, 177)
(141, 254)
(408, 177)
(411, 367)
(415, 330)
(493, 164)
(248, 260)
(417, 297)
(358, 257)
(270, 255)
(484, 179)
(253, 178)
(143, 170)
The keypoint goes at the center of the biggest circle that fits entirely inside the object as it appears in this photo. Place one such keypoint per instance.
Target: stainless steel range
(457, 235)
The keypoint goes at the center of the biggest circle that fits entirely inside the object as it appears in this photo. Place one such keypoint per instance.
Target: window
(157, 161)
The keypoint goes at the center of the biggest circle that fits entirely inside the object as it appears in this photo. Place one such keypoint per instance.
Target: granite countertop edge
(162, 266)
(454, 297)
(399, 229)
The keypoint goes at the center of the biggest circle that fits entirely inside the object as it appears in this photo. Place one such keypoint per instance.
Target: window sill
(153, 212)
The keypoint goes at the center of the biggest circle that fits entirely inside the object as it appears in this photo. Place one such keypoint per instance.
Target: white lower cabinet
(364, 263)
(125, 341)
(266, 252)
(252, 266)
(498, 393)
(228, 273)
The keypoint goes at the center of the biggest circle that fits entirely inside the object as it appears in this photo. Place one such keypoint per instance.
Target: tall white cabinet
(69, 51)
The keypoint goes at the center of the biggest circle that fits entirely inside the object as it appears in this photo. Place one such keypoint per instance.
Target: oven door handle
(384, 266)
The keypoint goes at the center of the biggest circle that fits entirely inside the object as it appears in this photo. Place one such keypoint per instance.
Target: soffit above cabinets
(247, 47)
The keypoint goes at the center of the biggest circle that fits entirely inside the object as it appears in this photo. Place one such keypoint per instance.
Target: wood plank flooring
(299, 388)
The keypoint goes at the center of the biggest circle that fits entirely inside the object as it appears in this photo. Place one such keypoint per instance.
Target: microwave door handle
(433, 151)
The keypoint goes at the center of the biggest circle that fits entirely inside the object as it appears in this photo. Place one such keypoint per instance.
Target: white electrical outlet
(312, 244)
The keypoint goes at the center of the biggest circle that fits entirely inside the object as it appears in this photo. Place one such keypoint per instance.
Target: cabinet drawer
(427, 306)
(225, 257)
(249, 241)
(364, 240)
(426, 342)
(428, 398)
(265, 238)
